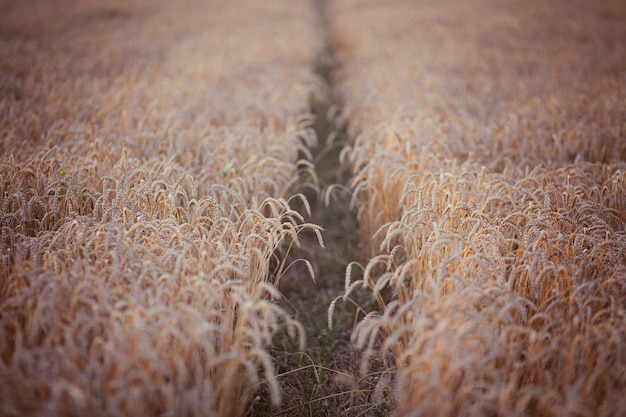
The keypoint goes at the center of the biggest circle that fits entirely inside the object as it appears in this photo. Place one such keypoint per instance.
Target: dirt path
(322, 379)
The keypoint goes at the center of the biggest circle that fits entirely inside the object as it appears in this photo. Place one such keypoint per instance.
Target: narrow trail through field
(321, 379)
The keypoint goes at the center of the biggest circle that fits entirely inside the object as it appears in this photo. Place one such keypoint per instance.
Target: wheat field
(148, 164)
(154, 162)
(490, 179)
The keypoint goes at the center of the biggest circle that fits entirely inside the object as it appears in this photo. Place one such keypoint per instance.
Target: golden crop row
(490, 177)
(148, 160)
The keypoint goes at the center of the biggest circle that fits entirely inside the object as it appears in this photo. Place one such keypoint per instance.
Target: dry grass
(149, 157)
(490, 178)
